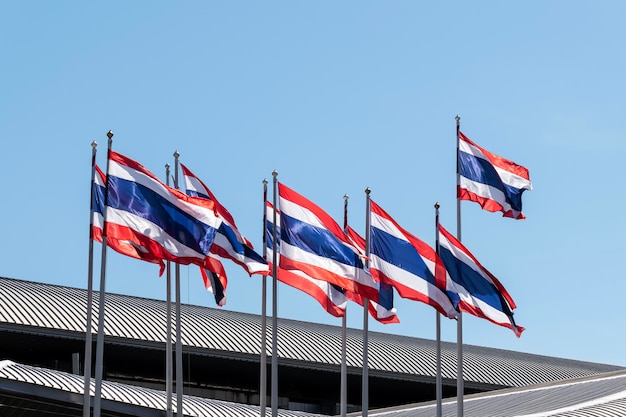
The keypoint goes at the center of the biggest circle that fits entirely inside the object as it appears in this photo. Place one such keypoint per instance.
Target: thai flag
(476, 290)
(229, 243)
(331, 297)
(403, 261)
(124, 246)
(383, 310)
(166, 222)
(493, 182)
(312, 242)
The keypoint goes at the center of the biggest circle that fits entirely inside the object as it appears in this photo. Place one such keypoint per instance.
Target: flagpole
(274, 309)
(88, 335)
(168, 337)
(343, 397)
(438, 388)
(179, 345)
(459, 325)
(365, 389)
(100, 337)
(263, 382)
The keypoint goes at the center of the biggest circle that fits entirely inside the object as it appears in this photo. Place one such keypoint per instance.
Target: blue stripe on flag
(194, 193)
(385, 296)
(250, 254)
(98, 199)
(228, 232)
(317, 241)
(269, 235)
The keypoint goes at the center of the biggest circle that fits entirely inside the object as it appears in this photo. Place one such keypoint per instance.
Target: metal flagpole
(88, 335)
(274, 310)
(103, 263)
(168, 337)
(365, 390)
(343, 397)
(343, 400)
(179, 345)
(459, 324)
(263, 382)
(438, 388)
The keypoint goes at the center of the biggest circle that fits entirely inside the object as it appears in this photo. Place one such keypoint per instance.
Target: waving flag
(167, 223)
(493, 182)
(124, 246)
(229, 243)
(476, 290)
(403, 261)
(312, 242)
(331, 297)
(383, 310)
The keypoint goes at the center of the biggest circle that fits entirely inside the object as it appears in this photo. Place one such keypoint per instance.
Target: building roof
(596, 396)
(38, 308)
(58, 392)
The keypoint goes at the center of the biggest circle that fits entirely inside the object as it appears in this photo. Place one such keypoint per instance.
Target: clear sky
(337, 97)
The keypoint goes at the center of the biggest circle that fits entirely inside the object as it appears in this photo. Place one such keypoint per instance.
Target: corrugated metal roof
(598, 396)
(63, 387)
(31, 307)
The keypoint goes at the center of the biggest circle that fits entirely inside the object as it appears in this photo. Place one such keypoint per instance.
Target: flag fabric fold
(405, 262)
(167, 223)
(473, 288)
(229, 242)
(214, 278)
(331, 297)
(312, 242)
(493, 182)
(383, 310)
(122, 245)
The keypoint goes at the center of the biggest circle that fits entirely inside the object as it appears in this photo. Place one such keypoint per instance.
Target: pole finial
(346, 197)
(264, 181)
(368, 191)
(176, 154)
(437, 206)
(167, 166)
(274, 173)
(457, 118)
(94, 144)
(110, 134)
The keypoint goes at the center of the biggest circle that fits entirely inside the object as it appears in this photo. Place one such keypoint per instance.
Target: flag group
(139, 216)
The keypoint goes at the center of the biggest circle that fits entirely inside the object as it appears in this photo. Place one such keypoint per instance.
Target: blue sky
(337, 97)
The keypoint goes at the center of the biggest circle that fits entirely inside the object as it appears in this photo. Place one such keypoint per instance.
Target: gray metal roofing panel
(615, 408)
(128, 395)
(600, 395)
(31, 305)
